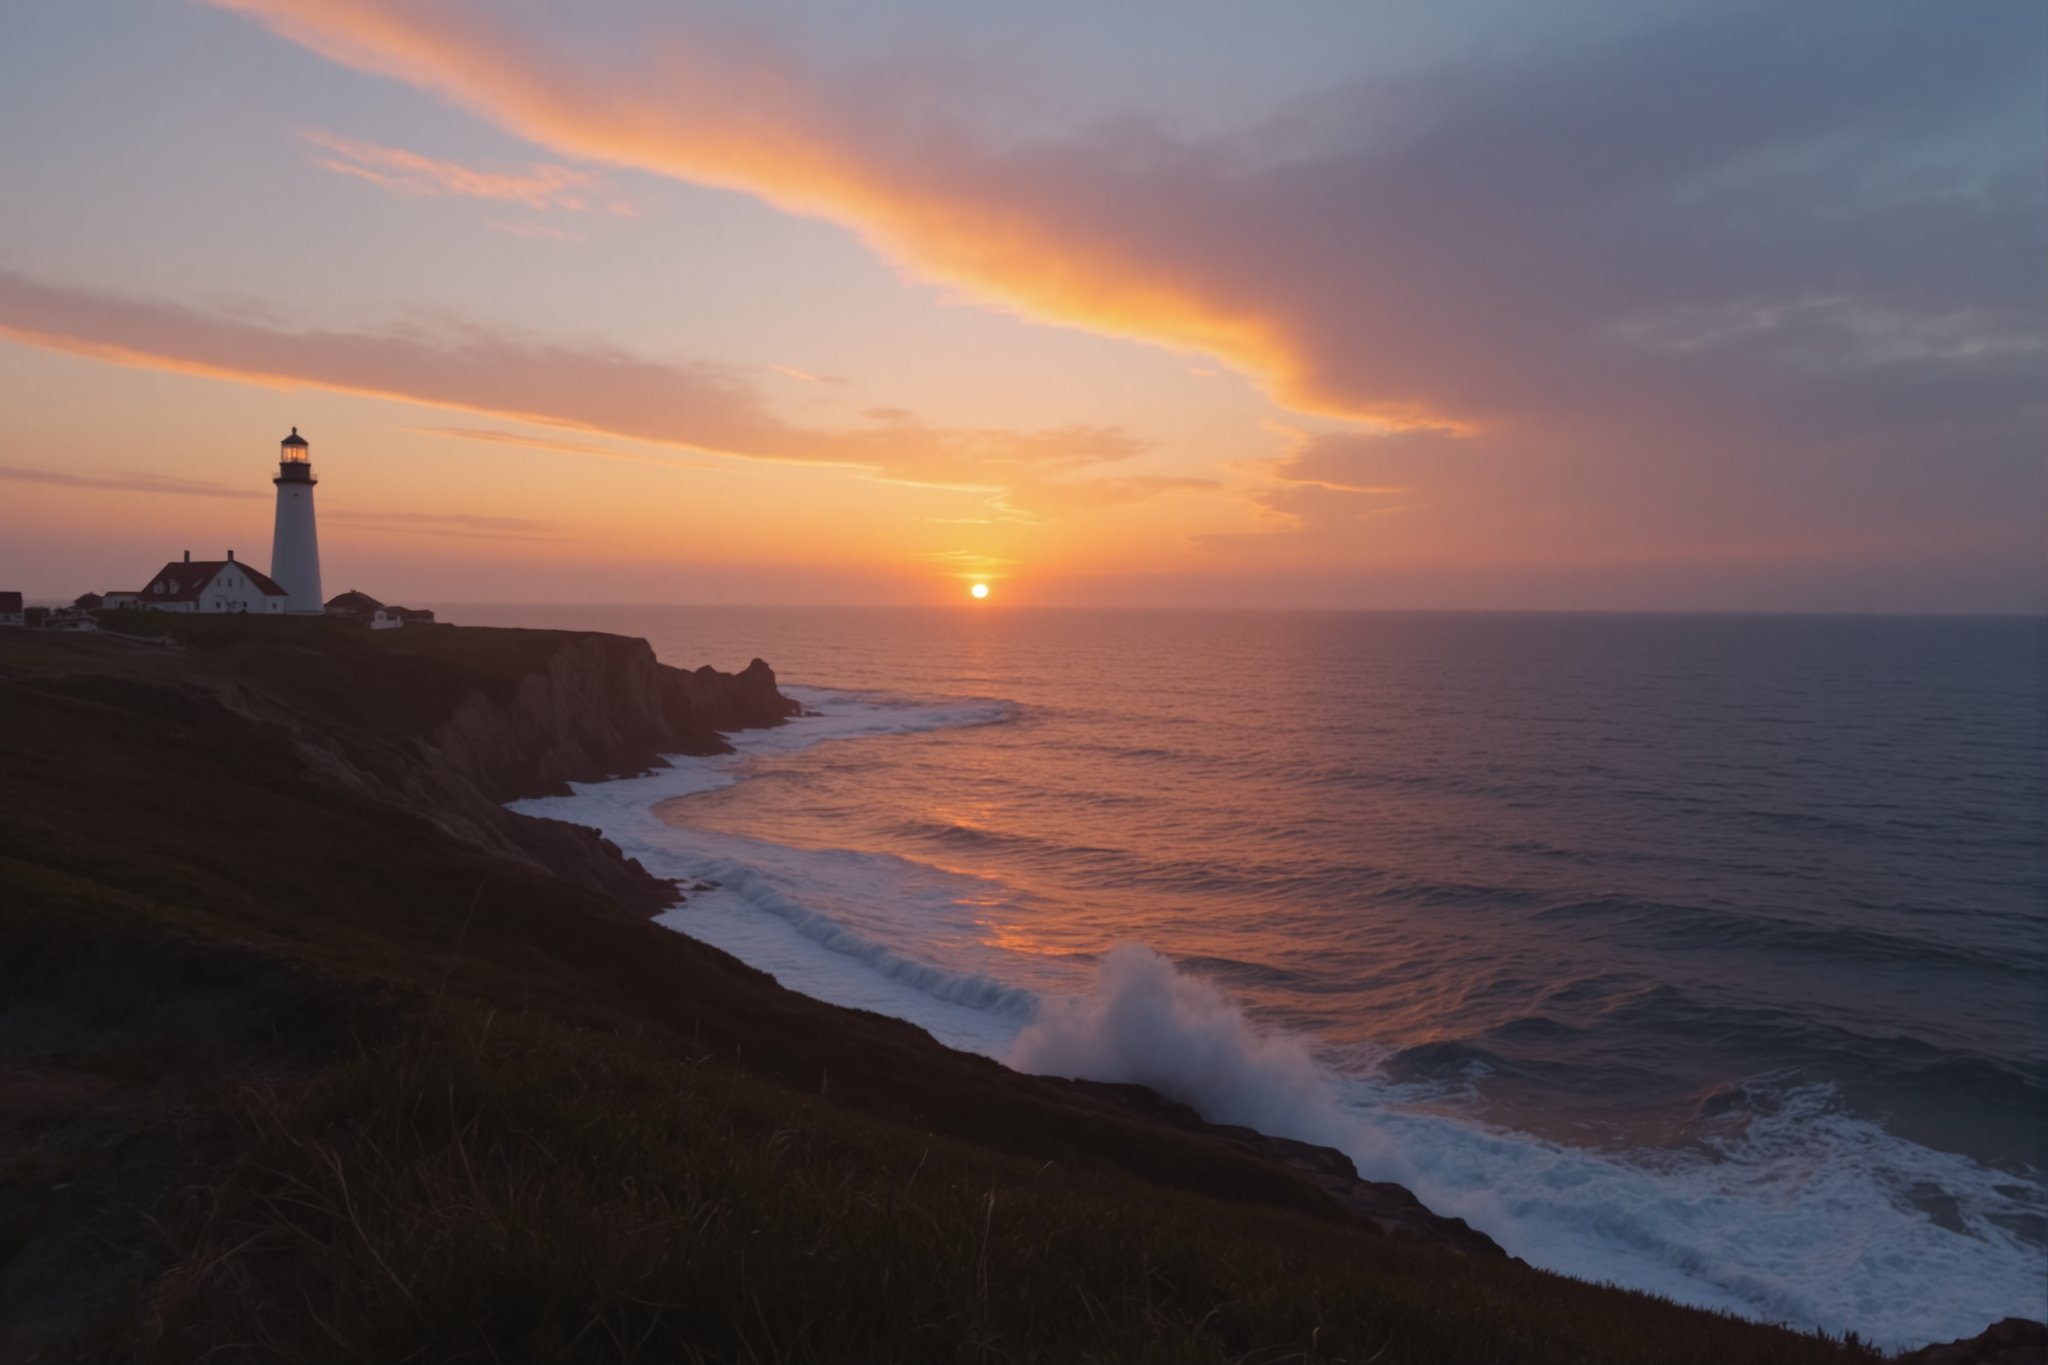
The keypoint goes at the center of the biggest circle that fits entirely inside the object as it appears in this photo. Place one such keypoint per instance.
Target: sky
(1589, 305)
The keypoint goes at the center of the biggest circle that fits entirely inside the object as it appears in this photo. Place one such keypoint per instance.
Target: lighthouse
(295, 544)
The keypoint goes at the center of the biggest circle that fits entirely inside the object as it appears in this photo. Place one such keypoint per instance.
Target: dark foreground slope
(307, 1054)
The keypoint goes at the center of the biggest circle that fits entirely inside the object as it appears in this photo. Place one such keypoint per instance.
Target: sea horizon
(458, 605)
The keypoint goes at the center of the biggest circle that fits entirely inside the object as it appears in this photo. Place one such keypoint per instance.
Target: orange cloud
(1528, 239)
(466, 368)
(539, 186)
(737, 115)
(125, 483)
(462, 525)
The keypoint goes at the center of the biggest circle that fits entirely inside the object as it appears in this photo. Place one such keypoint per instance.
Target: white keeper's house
(212, 585)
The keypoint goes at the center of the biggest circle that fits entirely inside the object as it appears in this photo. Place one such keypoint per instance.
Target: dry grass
(485, 1191)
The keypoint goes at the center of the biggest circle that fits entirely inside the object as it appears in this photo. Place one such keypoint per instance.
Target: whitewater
(1803, 1212)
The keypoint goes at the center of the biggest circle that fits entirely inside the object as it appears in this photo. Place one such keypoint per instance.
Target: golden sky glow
(621, 302)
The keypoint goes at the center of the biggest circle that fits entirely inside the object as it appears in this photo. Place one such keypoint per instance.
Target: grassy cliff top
(406, 679)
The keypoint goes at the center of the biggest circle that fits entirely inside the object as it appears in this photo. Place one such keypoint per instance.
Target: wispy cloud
(540, 186)
(532, 231)
(803, 376)
(1374, 463)
(1329, 483)
(1036, 499)
(459, 525)
(464, 525)
(580, 449)
(126, 483)
(595, 389)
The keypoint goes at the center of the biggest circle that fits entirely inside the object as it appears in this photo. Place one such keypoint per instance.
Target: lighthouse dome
(294, 439)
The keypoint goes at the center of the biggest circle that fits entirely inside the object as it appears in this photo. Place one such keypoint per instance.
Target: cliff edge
(450, 723)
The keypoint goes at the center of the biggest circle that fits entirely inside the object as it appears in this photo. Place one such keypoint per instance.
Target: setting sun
(979, 590)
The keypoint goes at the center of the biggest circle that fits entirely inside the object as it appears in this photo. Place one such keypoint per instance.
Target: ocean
(1706, 955)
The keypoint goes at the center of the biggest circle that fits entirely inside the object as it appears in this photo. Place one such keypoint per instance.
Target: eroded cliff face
(455, 732)
(601, 707)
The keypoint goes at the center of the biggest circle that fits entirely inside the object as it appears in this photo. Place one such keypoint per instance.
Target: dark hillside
(303, 1057)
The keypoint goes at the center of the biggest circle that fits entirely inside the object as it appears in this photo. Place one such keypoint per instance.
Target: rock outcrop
(746, 700)
(600, 706)
(1391, 1208)
(2013, 1341)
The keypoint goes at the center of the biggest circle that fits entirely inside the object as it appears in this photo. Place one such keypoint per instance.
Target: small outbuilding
(12, 613)
(355, 606)
(366, 610)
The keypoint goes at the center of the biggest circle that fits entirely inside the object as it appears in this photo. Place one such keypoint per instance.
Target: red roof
(354, 601)
(10, 602)
(269, 586)
(184, 580)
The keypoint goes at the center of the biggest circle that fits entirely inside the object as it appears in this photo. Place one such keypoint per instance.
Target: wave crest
(1148, 1024)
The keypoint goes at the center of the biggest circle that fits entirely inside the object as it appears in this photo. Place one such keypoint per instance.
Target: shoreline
(631, 816)
(190, 1007)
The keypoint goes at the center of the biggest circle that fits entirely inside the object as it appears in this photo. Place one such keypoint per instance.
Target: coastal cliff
(597, 707)
(309, 1044)
(451, 723)
(600, 706)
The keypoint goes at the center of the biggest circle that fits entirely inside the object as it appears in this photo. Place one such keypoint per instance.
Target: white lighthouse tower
(295, 544)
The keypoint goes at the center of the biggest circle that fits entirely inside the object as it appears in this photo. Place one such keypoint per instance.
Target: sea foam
(1808, 1216)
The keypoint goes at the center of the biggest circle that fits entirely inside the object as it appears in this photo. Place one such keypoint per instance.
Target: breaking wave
(1807, 1216)
(1803, 1213)
(1148, 1024)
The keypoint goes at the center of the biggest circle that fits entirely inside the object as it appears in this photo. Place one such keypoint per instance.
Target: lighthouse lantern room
(295, 543)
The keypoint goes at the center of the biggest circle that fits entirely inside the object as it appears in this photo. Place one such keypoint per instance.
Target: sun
(979, 590)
